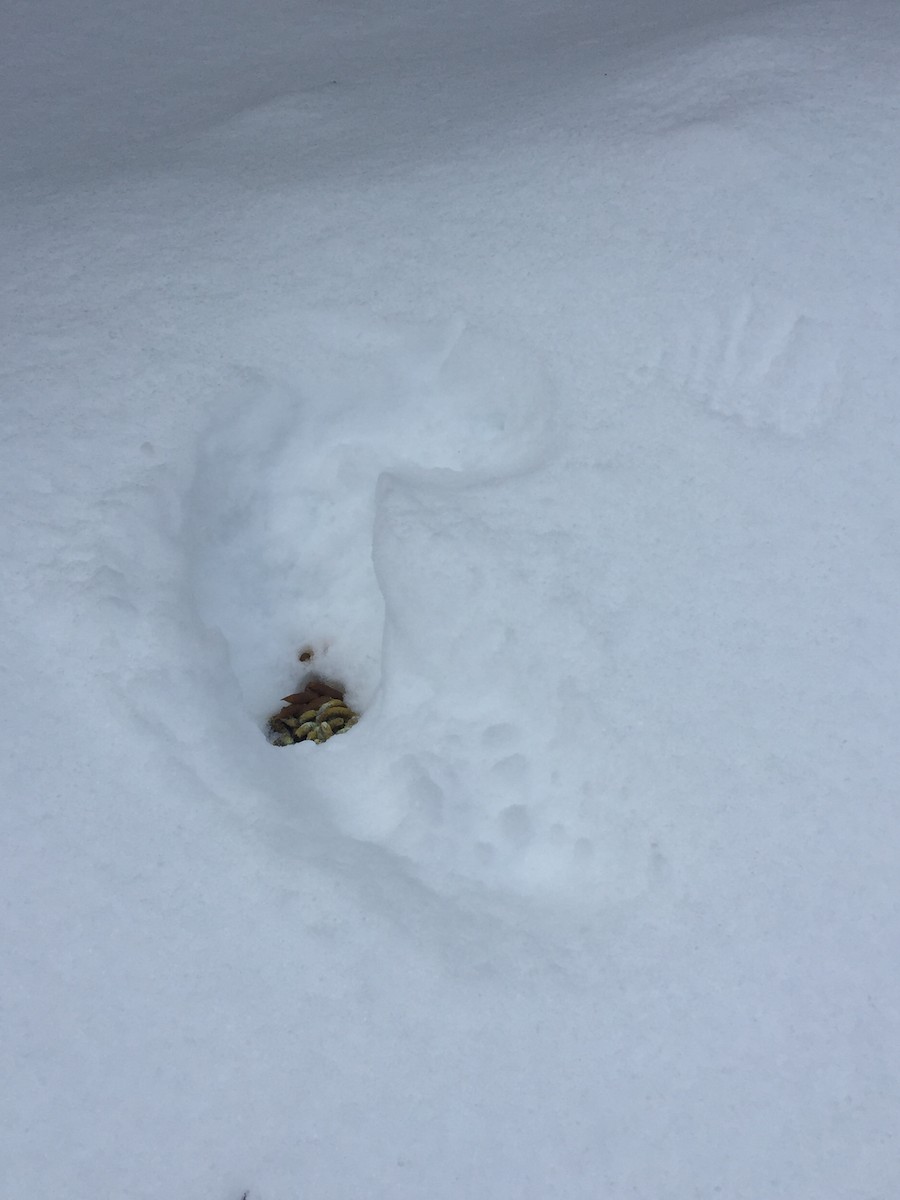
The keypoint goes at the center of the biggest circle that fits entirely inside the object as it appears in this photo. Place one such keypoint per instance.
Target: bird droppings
(314, 713)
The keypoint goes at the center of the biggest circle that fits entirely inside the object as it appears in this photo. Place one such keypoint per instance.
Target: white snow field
(539, 366)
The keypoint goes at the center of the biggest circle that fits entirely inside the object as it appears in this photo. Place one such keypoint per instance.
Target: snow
(536, 365)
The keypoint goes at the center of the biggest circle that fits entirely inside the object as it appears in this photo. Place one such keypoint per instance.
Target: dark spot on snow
(314, 713)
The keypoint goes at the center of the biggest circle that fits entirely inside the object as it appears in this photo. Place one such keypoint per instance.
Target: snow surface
(537, 364)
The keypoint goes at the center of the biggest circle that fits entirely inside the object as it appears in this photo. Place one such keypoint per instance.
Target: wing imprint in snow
(765, 364)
